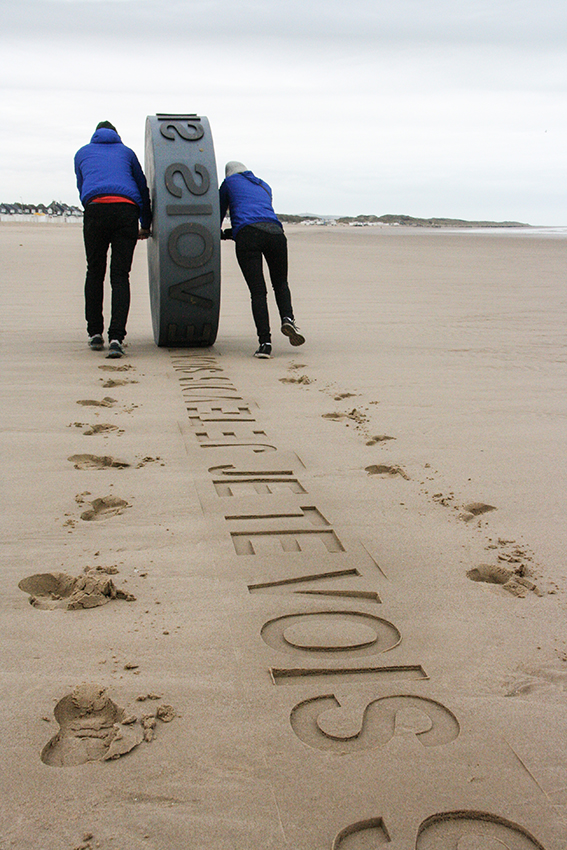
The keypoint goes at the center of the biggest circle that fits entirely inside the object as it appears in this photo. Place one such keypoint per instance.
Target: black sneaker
(96, 342)
(264, 351)
(115, 349)
(290, 329)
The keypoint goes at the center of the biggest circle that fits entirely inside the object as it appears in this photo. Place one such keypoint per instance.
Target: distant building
(56, 209)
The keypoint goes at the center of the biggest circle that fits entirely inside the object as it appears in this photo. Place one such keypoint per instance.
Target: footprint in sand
(475, 509)
(104, 508)
(97, 462)
(103, 428)
(342, 396)
(109, 571)
(124, 368)
(384, 469)
(148, 459)
(59, 590)
(105, 402)
(548, 677)
(355, 415)
(379, 438)
(117, 382)
(513, 582)
(91, 728)
(301, 379)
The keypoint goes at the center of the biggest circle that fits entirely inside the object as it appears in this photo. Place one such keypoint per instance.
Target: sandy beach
(310, 603)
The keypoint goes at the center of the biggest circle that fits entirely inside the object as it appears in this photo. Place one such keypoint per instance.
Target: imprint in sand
(474, 509)
(547, 677)
(59, 590)
(269, 542)
(354, 632)
(92, 728)
(105, 402)
(379, 438)
(301, 379)
(97, 462)
(103, 428)
(117, 382)
(321, 722)
(149, 459)
(509, 580)
(383, 469)
(125, 368)
(105, 507)
(355, 415)
(473, 831)
(366, 835)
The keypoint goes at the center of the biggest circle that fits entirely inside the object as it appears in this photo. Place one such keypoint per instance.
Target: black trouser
(252, 244)
(106, 225)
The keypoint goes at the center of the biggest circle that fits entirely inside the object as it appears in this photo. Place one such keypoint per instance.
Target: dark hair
(106, 125)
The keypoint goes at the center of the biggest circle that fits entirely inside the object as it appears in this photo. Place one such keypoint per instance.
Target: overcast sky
(423, 107)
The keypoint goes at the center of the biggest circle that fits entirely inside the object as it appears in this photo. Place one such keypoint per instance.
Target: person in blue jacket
(115, 196)
(258, 233)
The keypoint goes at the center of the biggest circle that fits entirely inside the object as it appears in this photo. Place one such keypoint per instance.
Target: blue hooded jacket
(107, 167)
(249, 200)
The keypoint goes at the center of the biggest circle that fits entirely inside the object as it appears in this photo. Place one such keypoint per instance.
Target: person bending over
(258, 233)
(114, 193)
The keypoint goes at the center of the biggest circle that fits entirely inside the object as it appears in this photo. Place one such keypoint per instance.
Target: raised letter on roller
(184, 251)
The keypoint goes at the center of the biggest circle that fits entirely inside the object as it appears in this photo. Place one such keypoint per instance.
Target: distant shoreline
(394, 221)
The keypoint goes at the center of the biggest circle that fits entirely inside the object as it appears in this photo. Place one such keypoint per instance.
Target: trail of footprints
(516, 579)
(104, 507)
(91, 726)
(337, 645)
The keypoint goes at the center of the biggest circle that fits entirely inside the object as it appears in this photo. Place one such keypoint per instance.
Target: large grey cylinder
(184, 249)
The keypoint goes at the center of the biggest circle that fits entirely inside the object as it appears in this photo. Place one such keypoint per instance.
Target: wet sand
(312, 602)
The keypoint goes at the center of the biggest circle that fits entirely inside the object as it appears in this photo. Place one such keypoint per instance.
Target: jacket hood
(252, 177)
(105, 137)
(234, 167)
(248, 175)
